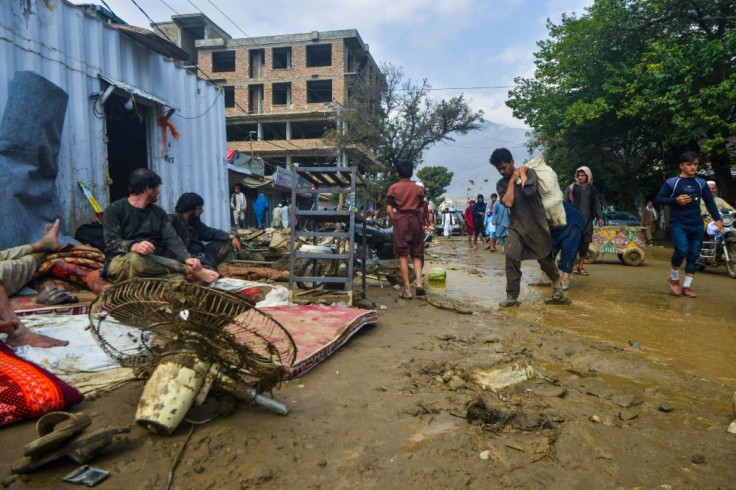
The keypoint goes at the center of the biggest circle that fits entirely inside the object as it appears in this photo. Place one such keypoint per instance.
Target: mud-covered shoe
(508, 302)
(688, 292)
(675, 286)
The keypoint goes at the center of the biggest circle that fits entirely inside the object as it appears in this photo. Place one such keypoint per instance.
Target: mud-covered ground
(389, 409)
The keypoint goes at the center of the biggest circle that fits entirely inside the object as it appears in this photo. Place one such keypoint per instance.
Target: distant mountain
(468, 157)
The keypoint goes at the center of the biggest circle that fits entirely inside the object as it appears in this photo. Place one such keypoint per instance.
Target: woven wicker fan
(187, 338)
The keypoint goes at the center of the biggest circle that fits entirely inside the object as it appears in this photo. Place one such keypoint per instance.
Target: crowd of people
(239, 204)
(515, 221)
(142, 240)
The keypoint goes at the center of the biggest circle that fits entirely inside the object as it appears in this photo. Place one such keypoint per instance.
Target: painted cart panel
(626, 242)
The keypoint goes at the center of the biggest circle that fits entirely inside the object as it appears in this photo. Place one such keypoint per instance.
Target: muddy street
(467, 397)
(616, 303)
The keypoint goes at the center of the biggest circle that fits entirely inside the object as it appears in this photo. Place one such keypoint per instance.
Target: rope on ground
(178, 457)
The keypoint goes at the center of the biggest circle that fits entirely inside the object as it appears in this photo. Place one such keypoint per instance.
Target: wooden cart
(627, 242)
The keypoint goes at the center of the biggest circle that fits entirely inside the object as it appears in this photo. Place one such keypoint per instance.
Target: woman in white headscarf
(583, 196)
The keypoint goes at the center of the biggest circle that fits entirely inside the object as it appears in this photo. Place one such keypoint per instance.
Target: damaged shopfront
(104, 100)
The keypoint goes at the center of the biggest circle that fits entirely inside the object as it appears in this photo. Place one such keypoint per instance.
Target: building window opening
(349, 61)
(223, 61)
(241, 132)
(229, 93)
(319, 91)
(281, 93)
(274, 131)
(301, 130)
(255, 62)
(281, 58)
(319, 55)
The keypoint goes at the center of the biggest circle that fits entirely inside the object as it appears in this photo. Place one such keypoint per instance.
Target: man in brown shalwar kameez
(528, 233)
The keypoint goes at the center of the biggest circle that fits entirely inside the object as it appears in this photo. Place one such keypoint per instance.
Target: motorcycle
(721, 249)
(379, 256)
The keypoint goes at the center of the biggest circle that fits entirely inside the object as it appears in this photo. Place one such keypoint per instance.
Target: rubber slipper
(401, 296)
(557, 294)
(508, 302)
(55, 295)
(558, 302)
(54, 430)
(420, 291)
(97, 440)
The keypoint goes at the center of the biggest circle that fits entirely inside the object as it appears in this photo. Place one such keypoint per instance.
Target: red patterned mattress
(318, 330)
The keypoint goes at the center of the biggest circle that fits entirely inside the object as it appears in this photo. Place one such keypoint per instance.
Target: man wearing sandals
(405, 206)
(528, 234)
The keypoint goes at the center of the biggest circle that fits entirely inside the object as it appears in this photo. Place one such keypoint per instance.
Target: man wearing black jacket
(203, 242)
(138, 235)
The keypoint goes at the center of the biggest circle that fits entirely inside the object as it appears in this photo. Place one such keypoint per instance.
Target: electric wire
(228, 18)
(257, 120)
(109, 8)
(206, 75)
(172, 9)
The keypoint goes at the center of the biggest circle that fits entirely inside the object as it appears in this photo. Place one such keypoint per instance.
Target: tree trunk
(721, 165)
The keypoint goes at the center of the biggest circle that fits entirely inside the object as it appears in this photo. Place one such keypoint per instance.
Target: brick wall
(299, 74)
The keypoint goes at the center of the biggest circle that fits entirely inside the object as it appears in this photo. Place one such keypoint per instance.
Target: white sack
(549, 189)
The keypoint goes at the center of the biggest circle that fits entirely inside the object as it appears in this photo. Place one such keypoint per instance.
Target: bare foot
(49, 242)
(206, 275)
(23, 336)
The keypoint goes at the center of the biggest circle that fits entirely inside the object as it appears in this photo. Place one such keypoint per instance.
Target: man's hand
(600, 222)
(194, 264)
(143, 248)
(522, 173)
(719, 226)
(236, 243)
(683, 199)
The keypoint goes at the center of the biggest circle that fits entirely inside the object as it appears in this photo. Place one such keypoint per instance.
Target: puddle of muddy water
(420, 434)
(618, 304)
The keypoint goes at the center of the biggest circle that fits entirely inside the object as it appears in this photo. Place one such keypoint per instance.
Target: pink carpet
(318, 330)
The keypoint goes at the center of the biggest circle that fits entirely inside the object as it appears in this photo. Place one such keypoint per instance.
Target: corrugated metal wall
(58, 41)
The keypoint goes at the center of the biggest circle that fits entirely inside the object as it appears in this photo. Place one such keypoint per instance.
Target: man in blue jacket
(683, 195)
(261, 208)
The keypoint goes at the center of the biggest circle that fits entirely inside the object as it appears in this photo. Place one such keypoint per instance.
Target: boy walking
(683, 195)
(405, 206)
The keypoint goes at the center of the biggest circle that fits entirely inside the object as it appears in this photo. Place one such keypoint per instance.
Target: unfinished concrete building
(281, 92)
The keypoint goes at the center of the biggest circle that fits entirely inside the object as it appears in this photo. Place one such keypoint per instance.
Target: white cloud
(514, 55)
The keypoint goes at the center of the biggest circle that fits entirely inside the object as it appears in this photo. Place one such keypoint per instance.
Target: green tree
(397, 119)
(435, 179)
(628, 86)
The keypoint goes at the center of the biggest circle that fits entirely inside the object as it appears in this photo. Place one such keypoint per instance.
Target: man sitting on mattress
(17, 267)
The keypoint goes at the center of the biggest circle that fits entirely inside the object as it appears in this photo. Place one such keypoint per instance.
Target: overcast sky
(464, 46)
